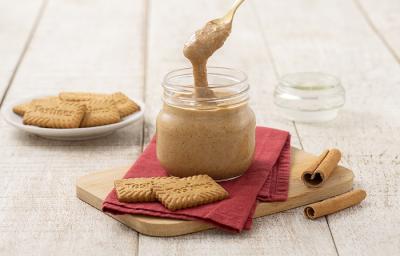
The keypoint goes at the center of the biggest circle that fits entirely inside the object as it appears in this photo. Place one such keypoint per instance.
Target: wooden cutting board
(93, 189)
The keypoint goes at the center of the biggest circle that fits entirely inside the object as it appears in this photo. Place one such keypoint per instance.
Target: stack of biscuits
(76, 110)
(174, 193)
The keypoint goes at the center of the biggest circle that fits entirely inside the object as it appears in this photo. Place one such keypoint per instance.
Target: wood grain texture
(79, 45)
(245, 49)
(101, 45)
(17, 20)
(94, 188)
(383, 18)
(334, 37)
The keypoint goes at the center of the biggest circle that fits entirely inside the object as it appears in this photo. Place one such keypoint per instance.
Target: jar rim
(243, 77)
(230, 87)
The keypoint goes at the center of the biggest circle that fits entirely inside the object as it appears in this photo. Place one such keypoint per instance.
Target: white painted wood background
(54, 45)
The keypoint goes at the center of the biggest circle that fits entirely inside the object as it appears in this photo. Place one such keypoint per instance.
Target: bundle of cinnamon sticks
(316, 175)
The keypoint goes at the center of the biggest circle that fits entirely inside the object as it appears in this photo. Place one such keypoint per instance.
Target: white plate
(68, 134)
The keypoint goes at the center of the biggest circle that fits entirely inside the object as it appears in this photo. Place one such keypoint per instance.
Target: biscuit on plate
(100, 112)
(54, 114)
(81, 96)
(124, 105)
(20, 109)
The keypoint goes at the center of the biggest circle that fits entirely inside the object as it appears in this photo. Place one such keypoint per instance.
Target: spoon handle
(232, 11)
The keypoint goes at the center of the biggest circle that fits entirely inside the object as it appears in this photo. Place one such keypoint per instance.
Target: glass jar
(213, 134)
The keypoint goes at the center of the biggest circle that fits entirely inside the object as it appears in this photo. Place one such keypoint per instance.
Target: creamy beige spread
(202, 45)
(219, 142)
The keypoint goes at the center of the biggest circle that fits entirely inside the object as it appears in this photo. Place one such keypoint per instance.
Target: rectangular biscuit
(139, 189)
(54, 114)
(189, 192)
(124, 105)
(82, 96)
(100, 112)
(22, 108)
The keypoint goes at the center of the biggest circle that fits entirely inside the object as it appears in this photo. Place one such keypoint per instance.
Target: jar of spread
(206, 130)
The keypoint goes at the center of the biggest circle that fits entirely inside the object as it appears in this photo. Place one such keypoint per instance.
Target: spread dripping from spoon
(202, 45)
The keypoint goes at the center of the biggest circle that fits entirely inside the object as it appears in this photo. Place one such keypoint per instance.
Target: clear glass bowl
(309, 97)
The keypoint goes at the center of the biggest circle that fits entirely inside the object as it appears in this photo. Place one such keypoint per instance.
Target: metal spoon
(228, 17)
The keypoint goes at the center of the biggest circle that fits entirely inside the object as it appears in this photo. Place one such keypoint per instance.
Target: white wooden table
(128, 45)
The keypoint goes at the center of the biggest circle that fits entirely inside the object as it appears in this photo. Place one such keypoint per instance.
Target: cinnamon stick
(320, 170)
(334, 204)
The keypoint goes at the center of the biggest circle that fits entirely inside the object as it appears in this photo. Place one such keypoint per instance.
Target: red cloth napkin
(267, 179)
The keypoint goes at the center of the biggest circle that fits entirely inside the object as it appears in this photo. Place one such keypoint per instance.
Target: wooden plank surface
(333, 36)
(383, 18)
(102, 45)
(79, 45)
(18, 20)
(246, 50)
